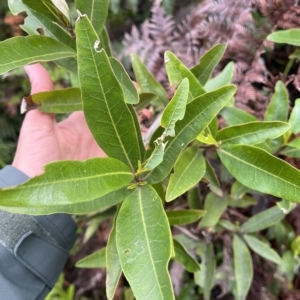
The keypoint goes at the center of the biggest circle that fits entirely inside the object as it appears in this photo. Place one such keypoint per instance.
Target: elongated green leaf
(36, 20)
(182, 256)
(156, 156)
(130, 93)
(252, 133)
(34, 49)
(238, 190)
(262, 249)
(224, 78)
(113, 265)
(227, 225)
(188, 171)
(199, 114)
(58, 102)
(115, 130)
(243, 267)
(193, 198)
(175, 110)
(260, 171)
(144, 100)
(291, 152)
(211, 176)
(64, 183)
(290, 36)
(105, 41)
(263, 220)
(182, 217)
(278, 108)
(205, 276)
(235, 116)
(208, 62)
(96, 10)
(49, 10)
(294, 119)
(147, 83)
(243, 202)
(177, 72)
(94, 260)
(144, 245)
(214, 207)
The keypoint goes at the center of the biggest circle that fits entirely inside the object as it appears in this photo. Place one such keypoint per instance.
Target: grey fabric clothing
(33, 250)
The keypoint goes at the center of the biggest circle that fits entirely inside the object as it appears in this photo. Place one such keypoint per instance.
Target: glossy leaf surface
(260, 171)
(208, 62)
(262, 249)
(144, 244)
(199, 114)
(243, 267)
(58, 101)
(94, 260)
(35, 48)
(130, 93)
(263, 220)
(177, 72)
(115, 131)
(182, 217)
(188, 171)
(214, 207)
(252, 133)
(96, 10)
(175, 110)
(182, 256)
(65, 184)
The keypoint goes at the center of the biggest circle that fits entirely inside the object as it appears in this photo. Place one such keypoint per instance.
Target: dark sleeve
(33, 250)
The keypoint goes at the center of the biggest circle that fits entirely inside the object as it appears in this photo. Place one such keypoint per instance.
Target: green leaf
(263, 220)
(156, 156)
(278, 108)
(96, 11)
(48, 9)
(260, 171)
(177, 72)
(211, 176)
(130, 93)
(291, 152)
(242, 203)
(227, 225)
(262, 249)
(235, 116)
(21, 51)
(182, 217)
(66, 183)
(224, 78)
(182, 256)
(214, 207)
(144, 100)
(206, 139)
(113, 265)
(208, 62)
(238, 191)
(199, 114)
(115, 131)
(205, 276)
(105, 41)
(36, 20)
(193, 198)
(63, 7)
(94, 260)
(57, 102)
(294, 119)
(147, 83)
(252, 133)
(243, 267)
(290, 36)
(188, 171)
(175, 110)
(286, 206)
(144, 244)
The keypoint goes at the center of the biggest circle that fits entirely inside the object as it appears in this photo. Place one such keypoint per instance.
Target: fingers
(39, 78)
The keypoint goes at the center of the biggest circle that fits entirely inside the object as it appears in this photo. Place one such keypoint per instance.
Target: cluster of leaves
(186, 149)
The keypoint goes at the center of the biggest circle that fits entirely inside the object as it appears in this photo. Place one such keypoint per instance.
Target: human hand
(42, 140)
